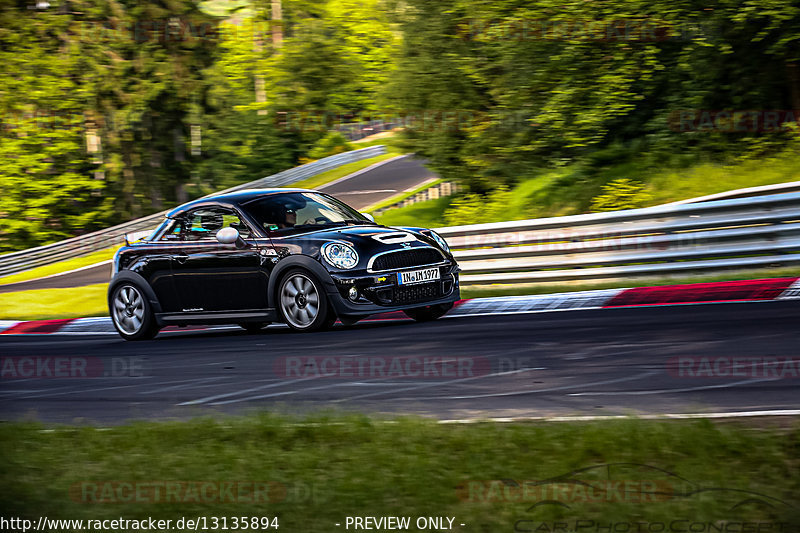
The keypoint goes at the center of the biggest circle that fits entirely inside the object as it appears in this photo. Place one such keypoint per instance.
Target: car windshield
(302, 210)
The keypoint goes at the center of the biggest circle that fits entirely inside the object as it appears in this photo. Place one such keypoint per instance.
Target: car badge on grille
(406, 245)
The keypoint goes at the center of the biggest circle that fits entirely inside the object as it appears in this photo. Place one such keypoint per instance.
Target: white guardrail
(67, 249)
(666, 240)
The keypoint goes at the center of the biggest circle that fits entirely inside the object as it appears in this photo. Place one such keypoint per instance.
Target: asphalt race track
(587, 362)
(87, 276)
(360, 191)
(381, 183)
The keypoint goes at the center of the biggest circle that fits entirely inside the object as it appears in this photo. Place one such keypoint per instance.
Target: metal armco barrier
(743, 233)
(67, 249)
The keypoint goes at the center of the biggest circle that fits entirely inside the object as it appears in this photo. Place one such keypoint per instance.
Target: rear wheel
(303, 303)
(131, 313)
(430, 312)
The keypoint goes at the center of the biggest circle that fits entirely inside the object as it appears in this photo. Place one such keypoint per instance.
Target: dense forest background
(113, 109)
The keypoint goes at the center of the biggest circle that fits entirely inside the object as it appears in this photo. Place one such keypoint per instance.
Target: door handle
(181, 258)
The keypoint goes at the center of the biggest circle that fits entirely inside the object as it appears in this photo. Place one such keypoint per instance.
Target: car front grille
(413, 257)
(417, 293)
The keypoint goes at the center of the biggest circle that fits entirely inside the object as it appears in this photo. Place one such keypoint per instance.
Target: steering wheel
(316, 220)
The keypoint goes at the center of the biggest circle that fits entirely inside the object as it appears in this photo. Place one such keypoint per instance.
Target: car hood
(367, 239)
(369, 235)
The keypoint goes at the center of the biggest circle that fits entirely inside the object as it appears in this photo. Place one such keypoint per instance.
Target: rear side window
(203, 224)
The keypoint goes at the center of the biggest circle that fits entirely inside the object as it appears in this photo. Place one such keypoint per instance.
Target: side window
(203, 225)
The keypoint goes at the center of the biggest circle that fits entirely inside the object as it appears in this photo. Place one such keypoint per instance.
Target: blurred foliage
(542, 90)
(332, 144)
(472, 208)
(622, 193)
(113, 110)
(570, 189)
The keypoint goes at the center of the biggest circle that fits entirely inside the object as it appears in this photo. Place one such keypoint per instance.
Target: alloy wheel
(129, 309)
(299, 300)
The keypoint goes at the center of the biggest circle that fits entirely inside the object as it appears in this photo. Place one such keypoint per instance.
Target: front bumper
(380, 292)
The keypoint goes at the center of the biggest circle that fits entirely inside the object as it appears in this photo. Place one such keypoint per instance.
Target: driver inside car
(289, 219)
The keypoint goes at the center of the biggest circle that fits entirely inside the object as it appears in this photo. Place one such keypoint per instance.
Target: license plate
(417, 276)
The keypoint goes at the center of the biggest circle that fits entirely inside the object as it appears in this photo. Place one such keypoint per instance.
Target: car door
(213, 277)
(154, 264)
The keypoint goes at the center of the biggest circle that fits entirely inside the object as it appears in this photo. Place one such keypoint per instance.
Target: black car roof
(230, 199)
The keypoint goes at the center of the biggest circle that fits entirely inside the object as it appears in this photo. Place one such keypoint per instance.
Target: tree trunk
(277, 24)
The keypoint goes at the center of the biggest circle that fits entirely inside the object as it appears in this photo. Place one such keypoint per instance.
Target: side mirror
(231, 236)
(372, 218)
(228, 235)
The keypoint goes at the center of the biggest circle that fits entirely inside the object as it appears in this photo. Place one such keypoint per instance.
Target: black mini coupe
(294, 256)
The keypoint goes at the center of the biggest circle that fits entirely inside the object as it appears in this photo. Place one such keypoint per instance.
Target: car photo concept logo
(576, 492)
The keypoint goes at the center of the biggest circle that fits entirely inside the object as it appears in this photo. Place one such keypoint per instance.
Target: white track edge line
(57, 274)
(517, 419)
(600, 418)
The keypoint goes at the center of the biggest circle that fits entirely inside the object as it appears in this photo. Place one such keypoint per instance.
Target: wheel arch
(140, 282)
(298, 261)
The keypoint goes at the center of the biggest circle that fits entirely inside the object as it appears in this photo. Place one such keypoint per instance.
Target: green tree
(49, 191)
(550, 82)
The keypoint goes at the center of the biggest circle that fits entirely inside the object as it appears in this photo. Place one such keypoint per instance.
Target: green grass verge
(61, 266)
(41, 304)
(402, 196)
(342, 171)
(384, 137)
(700, 180)
(332, 467)
(423, 214)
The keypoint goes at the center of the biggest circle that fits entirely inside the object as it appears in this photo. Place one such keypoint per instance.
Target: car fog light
(353, 294)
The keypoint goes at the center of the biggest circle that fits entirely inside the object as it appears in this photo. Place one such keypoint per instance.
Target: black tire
(427, 313)
(253, 327)
(302, 302)
(131, 312)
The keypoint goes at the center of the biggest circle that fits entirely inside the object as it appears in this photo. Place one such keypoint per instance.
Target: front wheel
(430, 312)
(131, 313)
(303, 303)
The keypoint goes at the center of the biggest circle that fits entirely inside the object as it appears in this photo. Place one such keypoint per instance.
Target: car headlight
(440, 241)
(340, 255)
